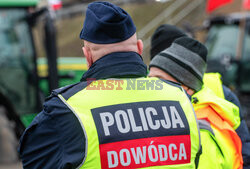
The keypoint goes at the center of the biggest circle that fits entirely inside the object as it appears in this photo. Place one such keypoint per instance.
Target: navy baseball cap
(106, 23)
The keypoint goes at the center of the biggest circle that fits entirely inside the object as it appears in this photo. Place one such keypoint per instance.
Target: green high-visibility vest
(135, 123)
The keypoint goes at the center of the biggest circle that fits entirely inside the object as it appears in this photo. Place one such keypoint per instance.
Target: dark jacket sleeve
(242, 130)
(54, 139)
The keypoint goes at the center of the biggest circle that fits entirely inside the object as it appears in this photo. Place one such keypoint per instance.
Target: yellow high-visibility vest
(135, 123)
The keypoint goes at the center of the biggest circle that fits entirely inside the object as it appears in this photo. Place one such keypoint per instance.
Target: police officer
(185, 62)
(162, 38)
(114, 117)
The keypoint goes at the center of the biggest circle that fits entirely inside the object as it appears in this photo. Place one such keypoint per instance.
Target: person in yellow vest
(161, 39)
(184, 62)
(115, 117)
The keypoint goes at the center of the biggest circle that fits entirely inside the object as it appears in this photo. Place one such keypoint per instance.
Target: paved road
(11, 166)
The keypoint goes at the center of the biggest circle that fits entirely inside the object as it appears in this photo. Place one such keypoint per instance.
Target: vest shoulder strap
(70, 90)
(178, 85)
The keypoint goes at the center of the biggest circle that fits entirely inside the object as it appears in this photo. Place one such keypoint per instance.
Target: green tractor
(25, 79)
(228, 43)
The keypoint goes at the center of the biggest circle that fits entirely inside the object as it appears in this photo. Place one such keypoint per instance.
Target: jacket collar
(117, 65)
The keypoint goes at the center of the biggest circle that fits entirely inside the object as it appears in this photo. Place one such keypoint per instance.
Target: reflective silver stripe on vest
(204, 124)
(85, 134)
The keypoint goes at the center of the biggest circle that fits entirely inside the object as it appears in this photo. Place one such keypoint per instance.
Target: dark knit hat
(106, 23)
(163, 37)
(185, 60)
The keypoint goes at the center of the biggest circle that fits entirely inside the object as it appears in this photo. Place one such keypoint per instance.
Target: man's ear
(88, 56)
(140, 46)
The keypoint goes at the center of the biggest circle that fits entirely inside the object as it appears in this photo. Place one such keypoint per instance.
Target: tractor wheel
(8, 140)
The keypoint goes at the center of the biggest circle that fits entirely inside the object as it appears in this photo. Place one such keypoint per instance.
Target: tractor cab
(227, 40)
